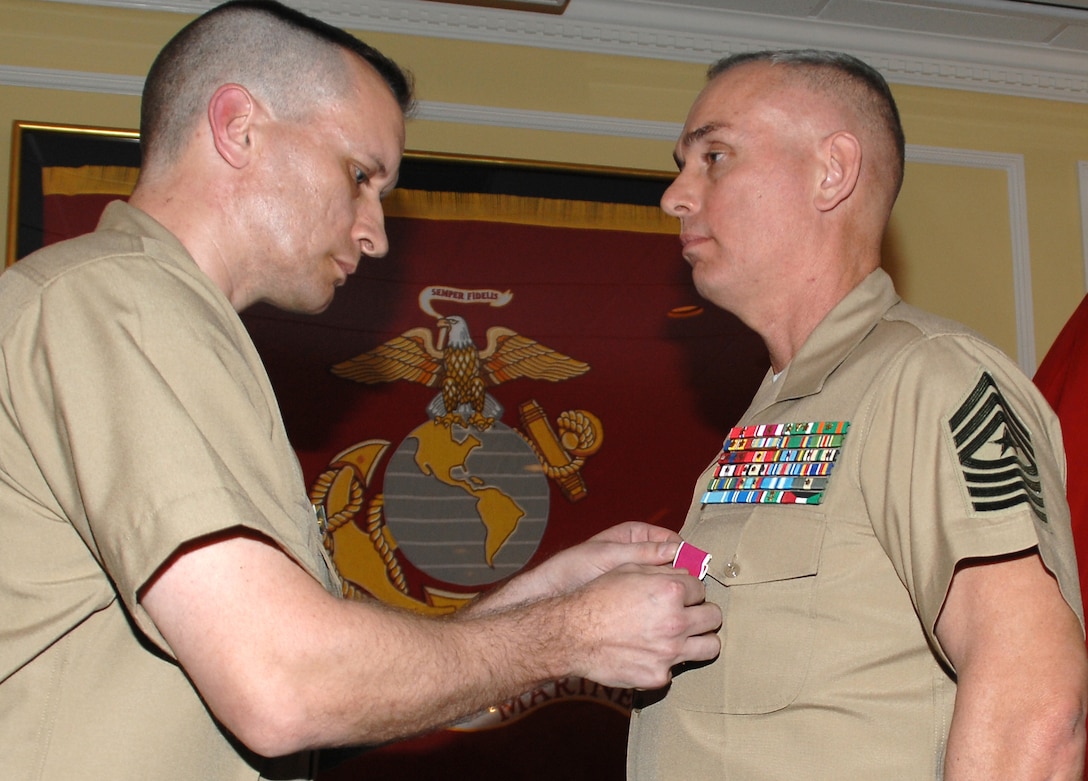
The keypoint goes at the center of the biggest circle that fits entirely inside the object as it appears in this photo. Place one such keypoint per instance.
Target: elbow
(1072, 723)
(270, 735)
(1060, 735)
(271, 721)
(1068, 746)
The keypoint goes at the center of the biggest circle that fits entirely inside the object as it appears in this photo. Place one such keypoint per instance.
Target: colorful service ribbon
(776, 463)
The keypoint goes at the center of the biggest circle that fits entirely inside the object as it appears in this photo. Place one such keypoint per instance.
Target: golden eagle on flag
(459, 369)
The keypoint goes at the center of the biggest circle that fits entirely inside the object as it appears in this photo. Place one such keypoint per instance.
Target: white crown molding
(702, 35)
(1013, 166)
(433, 111)
(437, 111)
(73, 81)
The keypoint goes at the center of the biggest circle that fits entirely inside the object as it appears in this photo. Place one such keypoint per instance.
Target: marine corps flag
(529, 365)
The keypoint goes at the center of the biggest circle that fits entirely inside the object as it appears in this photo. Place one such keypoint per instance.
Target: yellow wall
(1052, 137)
(950, 247)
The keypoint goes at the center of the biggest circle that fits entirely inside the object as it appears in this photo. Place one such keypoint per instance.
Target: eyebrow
(379, 169)
(392, 186)
(695, 135)
(699, 132)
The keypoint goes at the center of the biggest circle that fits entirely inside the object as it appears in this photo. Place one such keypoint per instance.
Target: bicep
(1021, 671)
(241, 618)
(999, 607)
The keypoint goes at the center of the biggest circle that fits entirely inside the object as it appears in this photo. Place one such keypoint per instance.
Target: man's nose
(370, 230)
(678, 200)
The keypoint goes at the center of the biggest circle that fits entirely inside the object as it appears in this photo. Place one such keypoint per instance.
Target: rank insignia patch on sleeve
(995, 452)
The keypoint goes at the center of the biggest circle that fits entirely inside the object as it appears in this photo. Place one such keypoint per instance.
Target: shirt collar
(836, 336)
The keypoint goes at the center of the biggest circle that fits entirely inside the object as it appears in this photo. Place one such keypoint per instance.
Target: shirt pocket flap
(765, 569)
(772, 546)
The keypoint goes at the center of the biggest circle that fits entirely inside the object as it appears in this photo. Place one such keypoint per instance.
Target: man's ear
(230, 117)
(842, 167)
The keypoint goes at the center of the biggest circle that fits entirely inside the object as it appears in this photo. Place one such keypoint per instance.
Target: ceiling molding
(693, 33)
(587, 124)
(427, 110)
(72, 81)
(537, 6)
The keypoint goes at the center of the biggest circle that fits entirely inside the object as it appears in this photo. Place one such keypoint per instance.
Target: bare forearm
(626, 630)
(625, 543)
(285, 666)
(422, 673)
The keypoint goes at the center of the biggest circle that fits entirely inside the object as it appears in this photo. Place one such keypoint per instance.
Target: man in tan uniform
(168, 610)
(890, 537)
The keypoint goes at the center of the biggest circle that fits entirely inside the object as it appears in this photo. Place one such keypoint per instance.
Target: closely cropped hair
(846, 76)
(292, 61)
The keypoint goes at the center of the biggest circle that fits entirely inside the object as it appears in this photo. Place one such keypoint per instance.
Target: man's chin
(318, 309)
(304, 306)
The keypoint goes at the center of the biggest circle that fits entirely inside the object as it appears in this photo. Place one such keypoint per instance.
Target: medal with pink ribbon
(695, 561)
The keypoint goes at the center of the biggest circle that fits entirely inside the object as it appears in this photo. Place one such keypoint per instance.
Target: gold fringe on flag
(550, 212)
(89, 180)
(417, 204)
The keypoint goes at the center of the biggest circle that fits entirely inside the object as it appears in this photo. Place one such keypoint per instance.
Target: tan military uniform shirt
(830, 668)
(135, 416)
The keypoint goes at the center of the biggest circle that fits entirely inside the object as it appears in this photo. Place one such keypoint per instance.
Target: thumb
(652, 553)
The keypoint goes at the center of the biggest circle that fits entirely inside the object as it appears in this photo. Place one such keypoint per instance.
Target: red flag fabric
(1063, 379)
(659, 377)
(663, 380)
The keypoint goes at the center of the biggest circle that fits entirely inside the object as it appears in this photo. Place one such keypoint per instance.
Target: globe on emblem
(465, 506)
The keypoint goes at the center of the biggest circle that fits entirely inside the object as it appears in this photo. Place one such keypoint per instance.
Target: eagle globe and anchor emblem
(465, 496)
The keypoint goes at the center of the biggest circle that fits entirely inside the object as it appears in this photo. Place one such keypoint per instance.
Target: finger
(701, 648)
(694, 589)
(616, 555)
(654, 553)
(648, 532)
(637, 531)
(705, 618)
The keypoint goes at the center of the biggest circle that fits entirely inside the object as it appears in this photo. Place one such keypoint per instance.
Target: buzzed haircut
(845, 75)
(286, 58)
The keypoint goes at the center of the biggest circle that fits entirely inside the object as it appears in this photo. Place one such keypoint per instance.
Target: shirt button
(732, 569)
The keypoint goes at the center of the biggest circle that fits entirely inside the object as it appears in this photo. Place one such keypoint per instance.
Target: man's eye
(361, 176)
(715, 157)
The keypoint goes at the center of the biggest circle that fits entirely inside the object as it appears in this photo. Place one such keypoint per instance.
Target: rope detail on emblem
(578, 426)
(375, 520)
(577, 436)
(319, 493)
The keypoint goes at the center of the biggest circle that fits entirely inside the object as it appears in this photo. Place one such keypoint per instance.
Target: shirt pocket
(764, 573)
